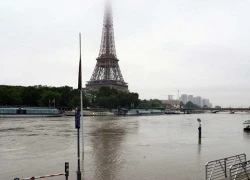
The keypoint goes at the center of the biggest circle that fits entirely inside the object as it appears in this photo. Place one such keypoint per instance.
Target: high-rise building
(207, 102)
(170, 97)
(191, 98)
(184, 98)
(197, 100)
(203, 102)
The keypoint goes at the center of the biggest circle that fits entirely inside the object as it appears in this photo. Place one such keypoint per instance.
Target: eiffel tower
(107, 71)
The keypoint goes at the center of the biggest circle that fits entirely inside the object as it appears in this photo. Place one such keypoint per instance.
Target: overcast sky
(199, 47)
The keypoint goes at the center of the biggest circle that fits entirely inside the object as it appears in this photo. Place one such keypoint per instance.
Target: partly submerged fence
(240, 171)
(221, 168)
(66, 174)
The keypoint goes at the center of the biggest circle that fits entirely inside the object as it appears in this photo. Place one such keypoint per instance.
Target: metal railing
(219, 169)
(65, 173)
(240, 171)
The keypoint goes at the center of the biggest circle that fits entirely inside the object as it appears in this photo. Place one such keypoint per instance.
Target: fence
(240, 171)
(66, 174)
(219, 169)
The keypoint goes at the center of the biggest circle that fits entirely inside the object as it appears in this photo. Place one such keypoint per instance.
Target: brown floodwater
(119, 148)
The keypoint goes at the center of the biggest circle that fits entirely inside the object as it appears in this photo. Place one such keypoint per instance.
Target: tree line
(68, 98)
(40, 96)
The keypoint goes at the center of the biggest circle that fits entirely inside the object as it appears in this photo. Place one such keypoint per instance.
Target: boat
(246, 125)
(132, 112)
(69, 113)
(157, 112)
(167, 111)
(97, 112)
(138, 112)
(23, 112)
(91, 112)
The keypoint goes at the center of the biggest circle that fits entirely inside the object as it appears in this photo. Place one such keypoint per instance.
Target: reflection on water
(145, 147)
(107, 152)
(199, 146)
(246, 134)
(12, 129)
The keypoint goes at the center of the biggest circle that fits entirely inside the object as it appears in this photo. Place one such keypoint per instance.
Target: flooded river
(120, 148)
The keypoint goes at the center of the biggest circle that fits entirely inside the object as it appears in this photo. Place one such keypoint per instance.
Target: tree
(47, 97)
(10, 95)
(182, 104)
(30, 96)
(152, 103)
(66, 97)
(190, 105)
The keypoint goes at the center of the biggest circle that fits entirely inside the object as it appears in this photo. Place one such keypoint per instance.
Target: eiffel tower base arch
(113, 85)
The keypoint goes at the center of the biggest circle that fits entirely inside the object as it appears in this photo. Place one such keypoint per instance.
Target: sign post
(77, 126)
(199, 128)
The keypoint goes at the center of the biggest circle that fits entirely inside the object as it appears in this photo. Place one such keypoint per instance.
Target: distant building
(207, 102)
(197, 100)
(184, 98)
(202, 102)
(172, 103)
(170, 97)
(217, 107)
(191, 98)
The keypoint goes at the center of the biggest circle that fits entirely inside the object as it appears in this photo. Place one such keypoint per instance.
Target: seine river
(119, 148)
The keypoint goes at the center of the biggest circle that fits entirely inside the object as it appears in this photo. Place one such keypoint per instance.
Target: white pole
(80, 87)
(82, 127)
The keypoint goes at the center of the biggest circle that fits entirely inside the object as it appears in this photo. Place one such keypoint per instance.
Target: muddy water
(138, 148)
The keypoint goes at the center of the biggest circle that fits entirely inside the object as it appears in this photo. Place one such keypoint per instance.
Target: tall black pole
(80, 88)
(66, 170)
(78, 155)
(199, 130)
(77, 126)
(78, 114)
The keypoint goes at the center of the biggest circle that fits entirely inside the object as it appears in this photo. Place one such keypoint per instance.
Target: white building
(197, 100)
(173, 103)
(207, 102)
(203, 102)
(184, 98)
(170, 97)
(191, 98)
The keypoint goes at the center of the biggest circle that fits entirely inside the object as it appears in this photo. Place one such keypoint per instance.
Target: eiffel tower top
(107, 49)
(107, 71)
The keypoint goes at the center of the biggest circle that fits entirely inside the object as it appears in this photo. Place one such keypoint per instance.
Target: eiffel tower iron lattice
(107, 71)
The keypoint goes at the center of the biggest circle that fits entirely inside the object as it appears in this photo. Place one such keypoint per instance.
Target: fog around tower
(196, 47)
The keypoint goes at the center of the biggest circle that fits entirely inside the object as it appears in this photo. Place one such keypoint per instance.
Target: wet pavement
(138, 148)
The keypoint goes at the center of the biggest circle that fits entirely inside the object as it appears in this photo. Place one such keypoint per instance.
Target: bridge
(213, 110)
